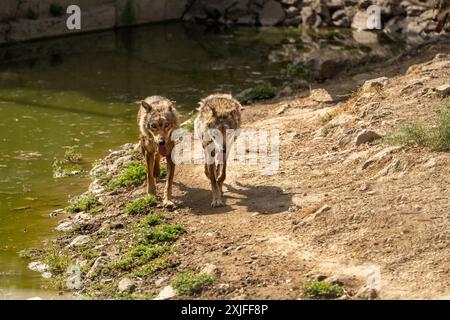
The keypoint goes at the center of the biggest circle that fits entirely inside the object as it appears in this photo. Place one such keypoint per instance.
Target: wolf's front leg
(168, 190)
(216, 194)
(150, 161)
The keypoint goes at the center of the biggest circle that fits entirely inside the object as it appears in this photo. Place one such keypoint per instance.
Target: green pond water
(81, 91)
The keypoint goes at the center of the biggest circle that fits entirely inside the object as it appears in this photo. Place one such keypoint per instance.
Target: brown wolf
(217, 112)
(441, 13)
(157, 118)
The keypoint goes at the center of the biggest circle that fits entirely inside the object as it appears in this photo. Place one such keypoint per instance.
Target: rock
(210, 269)
(443, 91)
(321, 95)
(99, 263)
(366, 293)
(65, 226)
(55, 213)
(360, 21)
(379, 156)
(160, 281)
(38, 266)
(292, 12)
(320, 8)
(377, 83)
(79, 241)
(47, 275)
(366, 136)
(389, 169)
(271, 14)
(166, 293)
(431, 163)
(126, 285)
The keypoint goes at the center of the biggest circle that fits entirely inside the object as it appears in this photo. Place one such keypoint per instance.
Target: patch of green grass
(56, 261)
(151, 220)
(141, 205)
(153, 267)
(297, 70)
(325, 119)
(190, 284)
(72, 154)
(162, 170)
(88, 203)
(189, 125)
(322, 289)
(56, 10)
(260, 92)
(163, 233)
(132, 175)
(140, 255)
(436, 137)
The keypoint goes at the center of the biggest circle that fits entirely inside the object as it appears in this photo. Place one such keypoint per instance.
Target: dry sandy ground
(391, 216)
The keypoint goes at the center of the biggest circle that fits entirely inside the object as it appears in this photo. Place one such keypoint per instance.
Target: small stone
(443, 91)
(366, 293)
(55, 213)
(321, 95)
(430, 163)
(166, 293)
(79, 241)
(126, 285)
(160, 281)
(210, 269)
(375, 83)
(47, 275)
(38, 266)
(65, 226)
(366, 136)
(325, 208)
(99, 263)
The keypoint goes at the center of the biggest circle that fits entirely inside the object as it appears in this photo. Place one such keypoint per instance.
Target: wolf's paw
(216, 203)
(169, 204)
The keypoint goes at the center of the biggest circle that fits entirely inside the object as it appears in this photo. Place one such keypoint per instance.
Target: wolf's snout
(161, 142)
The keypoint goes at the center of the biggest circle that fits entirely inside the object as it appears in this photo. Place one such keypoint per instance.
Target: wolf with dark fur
(219, 113)
(157, 119)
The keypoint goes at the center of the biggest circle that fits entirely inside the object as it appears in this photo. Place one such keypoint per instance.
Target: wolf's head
(158, 119)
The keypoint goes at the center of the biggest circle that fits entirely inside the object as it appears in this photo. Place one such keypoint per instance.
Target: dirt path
(392, 215)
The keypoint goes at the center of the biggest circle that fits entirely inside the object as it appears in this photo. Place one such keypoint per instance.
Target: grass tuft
(164, 233)
(132, 175)
(189, 284)
(141, 205)
(436, 137)
(260, 92)
(322, 289)
(88, 203)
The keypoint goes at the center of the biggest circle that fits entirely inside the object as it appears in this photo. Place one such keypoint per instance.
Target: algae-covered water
(82, 91)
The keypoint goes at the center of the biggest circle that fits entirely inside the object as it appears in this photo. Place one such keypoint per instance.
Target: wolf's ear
(146, 106)
(173, 106)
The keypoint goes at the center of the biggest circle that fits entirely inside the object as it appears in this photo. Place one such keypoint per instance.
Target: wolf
(157, 119)
(217, 113)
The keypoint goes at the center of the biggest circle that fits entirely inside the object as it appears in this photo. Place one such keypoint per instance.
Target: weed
(322, 289)
(164, 233)
(87, 203)
(260, 92)
(297, 70)
(72, 154)
(132, 175)
(151, 220)
(187, 283)
(141, 205)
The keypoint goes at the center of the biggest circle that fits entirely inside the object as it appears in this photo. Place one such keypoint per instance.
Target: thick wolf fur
(157, 118)
(218, 112)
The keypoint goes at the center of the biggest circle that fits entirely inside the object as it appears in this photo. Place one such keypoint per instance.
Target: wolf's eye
(166, 125)
(154, 126)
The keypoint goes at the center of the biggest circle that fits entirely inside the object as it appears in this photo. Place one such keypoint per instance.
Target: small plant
(57, 262)
(151, 220)
(132, 175)
(260, 92)
(163, 233)
(297, 70)
(325, 119)
(88, 203)
(141, 205)
(189, 284)
(435, 137)
(140, 255)
(163, 170)
(73, 154)
(322, 289)
(56, 10)
(326, 129)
